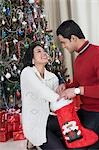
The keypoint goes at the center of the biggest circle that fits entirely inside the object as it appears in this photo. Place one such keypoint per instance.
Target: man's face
(66, 43)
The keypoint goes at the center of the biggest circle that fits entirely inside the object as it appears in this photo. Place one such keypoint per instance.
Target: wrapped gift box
(18, 135)
(13, 117)
(9, 127)
(17, 126)
(3, 116)
(3, 136)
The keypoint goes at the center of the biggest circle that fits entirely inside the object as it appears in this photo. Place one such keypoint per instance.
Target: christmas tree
(23, 22)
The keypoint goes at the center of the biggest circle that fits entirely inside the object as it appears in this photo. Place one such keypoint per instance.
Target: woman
(37, 89)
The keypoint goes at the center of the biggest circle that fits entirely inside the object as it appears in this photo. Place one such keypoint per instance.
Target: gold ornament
(3, 22)
(14, 19)
(11, 99)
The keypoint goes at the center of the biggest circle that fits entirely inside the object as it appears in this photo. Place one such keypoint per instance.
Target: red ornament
(18, 94)
(29, 29)
(37, 1)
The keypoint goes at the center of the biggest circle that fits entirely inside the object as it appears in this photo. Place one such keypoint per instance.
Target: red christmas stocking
(75, 135)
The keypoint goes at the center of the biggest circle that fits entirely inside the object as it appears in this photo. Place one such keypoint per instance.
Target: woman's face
(40, 56)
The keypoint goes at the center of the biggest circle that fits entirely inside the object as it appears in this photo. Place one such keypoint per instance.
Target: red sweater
(86, 73)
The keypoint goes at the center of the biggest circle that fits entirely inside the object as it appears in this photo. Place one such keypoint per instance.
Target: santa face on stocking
(71, 131)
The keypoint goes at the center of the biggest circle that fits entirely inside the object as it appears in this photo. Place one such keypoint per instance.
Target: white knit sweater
(36, 95)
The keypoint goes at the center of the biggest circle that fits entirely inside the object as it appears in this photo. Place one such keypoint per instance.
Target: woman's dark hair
(29, 55)
(68, 28)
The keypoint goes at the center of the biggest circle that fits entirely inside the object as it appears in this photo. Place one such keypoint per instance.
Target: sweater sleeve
(31, 82)
(93, 90)
(55, 83)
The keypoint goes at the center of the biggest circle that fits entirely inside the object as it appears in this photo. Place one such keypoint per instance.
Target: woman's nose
(45, 53)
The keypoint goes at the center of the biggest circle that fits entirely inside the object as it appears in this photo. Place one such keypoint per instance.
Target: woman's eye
(38, 51)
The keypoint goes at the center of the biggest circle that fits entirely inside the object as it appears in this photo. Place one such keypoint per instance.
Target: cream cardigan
(36, 95)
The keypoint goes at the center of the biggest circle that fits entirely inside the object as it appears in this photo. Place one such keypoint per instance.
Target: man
(86, 74)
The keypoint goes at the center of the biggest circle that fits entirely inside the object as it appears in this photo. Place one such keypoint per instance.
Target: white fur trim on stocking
(59, 104)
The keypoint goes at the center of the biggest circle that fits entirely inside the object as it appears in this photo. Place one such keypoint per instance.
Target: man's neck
(80, 42)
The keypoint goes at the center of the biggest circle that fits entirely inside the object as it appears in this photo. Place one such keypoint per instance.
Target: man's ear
(73, 38)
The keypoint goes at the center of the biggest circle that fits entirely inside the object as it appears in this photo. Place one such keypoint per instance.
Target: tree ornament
(43, 31)
(4, 34)
(37, 1)
(3, 22)
(8, 75)
(57, 61)
(15, 41)
(26, 45)
(14, 57)
(18, 94)
(54, 46)
(31, 1)
(45, 46)
(42, 42)
(24, 23)
(2, 78)
(14, 19)
(14, 67)
(18, 49)
(19, 71)
(8, 89)
(34, 25)
(8, 11)
(4, 9)
(30, 29)
(41, 16)
(20, 15)
(34, 38)
(35, 12)
(7, 48)
(30, 17)
(21, 33)
(11, 99)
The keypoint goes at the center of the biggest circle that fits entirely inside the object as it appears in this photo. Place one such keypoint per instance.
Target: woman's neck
(41, 70)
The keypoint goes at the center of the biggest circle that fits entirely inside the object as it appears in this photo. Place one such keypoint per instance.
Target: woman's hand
(68, 93)
(60, 88)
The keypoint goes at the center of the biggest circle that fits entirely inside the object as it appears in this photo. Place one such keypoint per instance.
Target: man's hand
(68, 93)
(60, 89)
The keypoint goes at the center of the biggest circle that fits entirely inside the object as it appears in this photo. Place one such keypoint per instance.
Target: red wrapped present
(17, 126)
(3, 136)
(13, 117)
(3, 116)
(10, 127)
(74, 134)
(3, 127)
(18, 135)
(9, 135)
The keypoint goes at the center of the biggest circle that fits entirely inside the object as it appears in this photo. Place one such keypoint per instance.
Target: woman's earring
(33, 61)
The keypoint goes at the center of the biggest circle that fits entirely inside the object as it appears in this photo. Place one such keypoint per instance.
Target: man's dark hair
(68, 28)
(29, 55)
